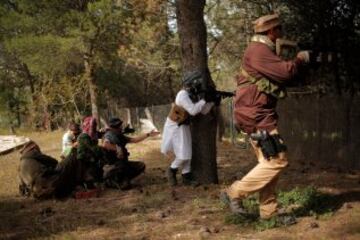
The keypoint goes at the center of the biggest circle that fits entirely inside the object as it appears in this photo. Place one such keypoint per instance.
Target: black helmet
(193, 79)
(115, 122)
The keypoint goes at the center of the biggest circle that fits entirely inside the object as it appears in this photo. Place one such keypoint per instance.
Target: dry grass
(154, 211)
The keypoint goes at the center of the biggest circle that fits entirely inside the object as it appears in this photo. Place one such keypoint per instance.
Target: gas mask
(193, 84)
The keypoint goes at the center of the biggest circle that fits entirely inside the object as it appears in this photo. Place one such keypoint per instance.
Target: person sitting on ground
(69, 139)
(119, 171)
(42, 176)
(89, 126)
(90, 153)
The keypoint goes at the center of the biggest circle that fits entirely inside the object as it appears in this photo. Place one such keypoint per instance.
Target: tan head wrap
(31, 145)
(265, 23)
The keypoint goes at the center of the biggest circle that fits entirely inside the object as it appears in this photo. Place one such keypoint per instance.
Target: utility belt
(179, 115)
(271, 145)
(263, 85)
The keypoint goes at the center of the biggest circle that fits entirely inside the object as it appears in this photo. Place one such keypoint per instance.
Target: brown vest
(178, 114)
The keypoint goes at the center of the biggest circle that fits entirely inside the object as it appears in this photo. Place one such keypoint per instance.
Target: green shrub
(309, 201)
(300, 202)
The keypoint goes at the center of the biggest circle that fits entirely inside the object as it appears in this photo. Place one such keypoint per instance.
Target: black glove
(209, 96)
(217, 100)
(212, 96)
(201, 95)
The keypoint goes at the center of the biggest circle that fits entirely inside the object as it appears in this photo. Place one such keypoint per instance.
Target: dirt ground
(153, 210)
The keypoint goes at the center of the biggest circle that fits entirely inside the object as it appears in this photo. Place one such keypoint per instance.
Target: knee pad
(270, 145)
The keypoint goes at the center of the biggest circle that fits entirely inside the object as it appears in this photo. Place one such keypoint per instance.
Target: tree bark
(92, 89)
(193, 35)
(34, 106)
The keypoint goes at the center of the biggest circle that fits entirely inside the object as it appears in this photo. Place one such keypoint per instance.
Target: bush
(299, 202)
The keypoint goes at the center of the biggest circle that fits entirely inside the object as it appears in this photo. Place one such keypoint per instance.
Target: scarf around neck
(263, 39)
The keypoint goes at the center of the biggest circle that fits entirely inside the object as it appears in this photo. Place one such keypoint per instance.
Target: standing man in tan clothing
(260, 85)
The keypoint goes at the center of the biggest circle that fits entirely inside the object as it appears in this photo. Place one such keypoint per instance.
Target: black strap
(244, 84)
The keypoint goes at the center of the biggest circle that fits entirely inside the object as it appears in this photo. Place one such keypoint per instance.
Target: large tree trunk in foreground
(192, 32)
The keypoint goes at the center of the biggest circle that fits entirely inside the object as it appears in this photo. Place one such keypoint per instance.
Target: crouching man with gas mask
(177, 136)
(260, 84)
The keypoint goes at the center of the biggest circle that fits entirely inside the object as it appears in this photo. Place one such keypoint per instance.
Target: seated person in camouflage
(90, 153)
(89, 126)
(119, 171)
(42, 176)
(69, 139)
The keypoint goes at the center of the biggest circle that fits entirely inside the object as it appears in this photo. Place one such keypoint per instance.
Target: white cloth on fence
(177, 139)
(147, 125)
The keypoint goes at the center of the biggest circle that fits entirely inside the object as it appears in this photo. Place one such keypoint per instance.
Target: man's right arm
(268, 64)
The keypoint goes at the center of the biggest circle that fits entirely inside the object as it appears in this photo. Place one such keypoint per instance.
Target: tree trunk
(34, 106)
(46, 118)
(221, 125)
(170, 84)
(192, 33)
(92, 89)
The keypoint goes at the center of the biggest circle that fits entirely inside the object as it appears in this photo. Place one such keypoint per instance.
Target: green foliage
(251, 204)
(12, 99)
(239, 220)
(229, 26)
(296, 196)
(51, 40)
(133, 54)
(308, 201)
(333, 27)
(48, 56)
(262, 224)
(298, 202)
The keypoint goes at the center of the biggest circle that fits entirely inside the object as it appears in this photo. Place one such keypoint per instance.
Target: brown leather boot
(171, 176)
(235, 205)
(188, 180)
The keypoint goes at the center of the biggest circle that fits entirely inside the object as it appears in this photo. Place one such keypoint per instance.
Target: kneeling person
(120, 171)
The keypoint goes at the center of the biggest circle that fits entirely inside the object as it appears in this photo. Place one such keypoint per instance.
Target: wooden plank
(11, 142)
